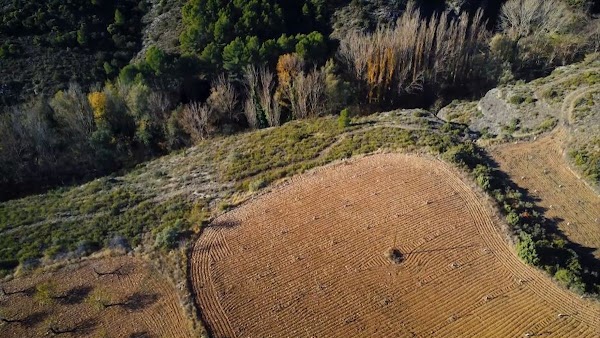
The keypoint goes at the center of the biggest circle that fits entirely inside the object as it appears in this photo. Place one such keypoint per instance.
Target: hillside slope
(553, 125)
(165, 193)
(567, 103)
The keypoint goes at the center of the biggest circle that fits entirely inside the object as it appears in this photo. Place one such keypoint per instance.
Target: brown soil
(540, 168)
(310, 259)
(151, 307)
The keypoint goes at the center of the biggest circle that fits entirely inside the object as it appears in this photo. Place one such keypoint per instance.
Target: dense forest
(44, 45)
(81, 95)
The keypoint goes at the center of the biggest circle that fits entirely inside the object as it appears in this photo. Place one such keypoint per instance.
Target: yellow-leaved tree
(98, 103)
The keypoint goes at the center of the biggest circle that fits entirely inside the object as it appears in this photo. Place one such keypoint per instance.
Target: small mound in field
(307, 260)
(394, 255)
(108, 297)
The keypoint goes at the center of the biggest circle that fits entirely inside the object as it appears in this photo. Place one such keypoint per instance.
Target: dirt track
(308, 259)
(152, 308)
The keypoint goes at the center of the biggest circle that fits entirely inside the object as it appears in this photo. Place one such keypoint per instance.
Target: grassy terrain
(567, 98)
(157, 204)
(166, 193)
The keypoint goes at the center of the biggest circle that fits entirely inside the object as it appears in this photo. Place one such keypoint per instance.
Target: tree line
(251, 64)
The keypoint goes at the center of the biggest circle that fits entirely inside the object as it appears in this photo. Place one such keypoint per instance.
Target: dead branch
(57, 331)
(10, 321)
(116, 272)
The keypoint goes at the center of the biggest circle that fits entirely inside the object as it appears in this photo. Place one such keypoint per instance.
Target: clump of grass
(517, 99)
(513, 126)
(550, 94)
(547, 125)
(588, 161)
(257, 184)
(223, 206)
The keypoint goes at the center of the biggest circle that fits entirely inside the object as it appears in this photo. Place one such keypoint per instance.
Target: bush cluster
(537, 243)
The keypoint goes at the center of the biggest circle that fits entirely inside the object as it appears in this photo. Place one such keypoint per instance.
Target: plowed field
(541, 168)
(309, 259)
(150, 307)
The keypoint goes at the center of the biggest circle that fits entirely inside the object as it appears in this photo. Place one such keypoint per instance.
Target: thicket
(229, 35)
(588, 160)
(77, 135)
(47, 44)
(417, 55)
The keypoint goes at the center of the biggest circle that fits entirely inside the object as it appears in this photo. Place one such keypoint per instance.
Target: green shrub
(548, 124)
(517, 99)
(570, 279)
(483, 176)
(513, 219)
(344, 119)
(257, 184)
(167, 238)
(526, 250)
(462, 154)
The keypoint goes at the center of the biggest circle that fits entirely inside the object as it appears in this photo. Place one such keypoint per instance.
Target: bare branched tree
(251, 83)
(196, 120)
(72, 109)
(268, 103)
(251, 113)
(592, 35)
(414, 53)
(223, 97)
(306, 94)
(316, 95)
(521, 18)
(160, 104)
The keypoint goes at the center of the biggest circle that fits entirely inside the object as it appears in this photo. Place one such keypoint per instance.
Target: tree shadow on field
(139, 301)
(29, 291)
(589, 262)
(35, 318)
(86, 327)
(143, 334)
(227, 224)
(76, 295)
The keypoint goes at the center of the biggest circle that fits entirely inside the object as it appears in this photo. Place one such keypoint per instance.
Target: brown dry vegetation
(147, 304)
(309, 259)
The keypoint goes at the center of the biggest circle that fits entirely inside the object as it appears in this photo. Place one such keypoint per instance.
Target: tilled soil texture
(540, 167)
(310, 259)
(147, 305)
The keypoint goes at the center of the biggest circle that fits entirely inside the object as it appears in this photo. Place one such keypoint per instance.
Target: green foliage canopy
(228, 35)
